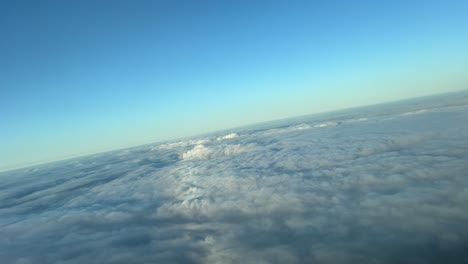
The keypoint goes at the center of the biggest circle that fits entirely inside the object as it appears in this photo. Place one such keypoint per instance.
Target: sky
(79, 77)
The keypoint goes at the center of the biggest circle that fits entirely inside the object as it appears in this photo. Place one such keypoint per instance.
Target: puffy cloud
(198, 152)
(203, 152)
(388, 190)
(179, 144)
(228, 136)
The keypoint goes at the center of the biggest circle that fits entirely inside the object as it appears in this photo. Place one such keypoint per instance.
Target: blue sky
(78, 77)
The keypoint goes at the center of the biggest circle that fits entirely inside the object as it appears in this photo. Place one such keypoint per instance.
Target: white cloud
(417, 112)
(198, 152)
(180, 144)
(325, 124)
(202, 152)
(228, 136)
(385, 191)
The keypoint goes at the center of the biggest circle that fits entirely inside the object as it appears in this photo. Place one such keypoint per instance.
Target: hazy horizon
(39, 163)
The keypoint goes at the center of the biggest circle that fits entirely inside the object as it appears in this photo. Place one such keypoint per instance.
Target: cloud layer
(367, 186)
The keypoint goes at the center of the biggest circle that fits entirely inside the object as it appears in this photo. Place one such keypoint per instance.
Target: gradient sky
(78, 77)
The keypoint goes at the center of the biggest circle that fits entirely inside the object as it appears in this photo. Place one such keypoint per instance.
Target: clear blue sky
(78, 77)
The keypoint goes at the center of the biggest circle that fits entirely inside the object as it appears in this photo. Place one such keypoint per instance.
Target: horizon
(90, 77)
(227, 130)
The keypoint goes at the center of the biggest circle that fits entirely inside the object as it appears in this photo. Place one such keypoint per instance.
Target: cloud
(228, 136)
(382, 191)
(325, 124)
(202, 152)
(180, 144)
(198, 152)
(417, 112)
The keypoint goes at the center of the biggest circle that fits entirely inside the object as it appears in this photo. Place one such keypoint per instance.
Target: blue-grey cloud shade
(381, 184)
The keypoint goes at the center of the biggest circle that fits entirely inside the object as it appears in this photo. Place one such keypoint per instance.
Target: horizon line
(41, 163)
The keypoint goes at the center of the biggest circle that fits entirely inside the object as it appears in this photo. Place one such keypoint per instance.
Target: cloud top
(327, 189)
(202, 152)
(228, 136)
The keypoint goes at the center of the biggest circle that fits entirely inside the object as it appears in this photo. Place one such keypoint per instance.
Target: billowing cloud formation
(179, 144)
(228, 136)
(386, 189)
(203, 152)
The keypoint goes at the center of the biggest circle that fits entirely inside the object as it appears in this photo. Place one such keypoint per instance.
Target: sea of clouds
(381, 184)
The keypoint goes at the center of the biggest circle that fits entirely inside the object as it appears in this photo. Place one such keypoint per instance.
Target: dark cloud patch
(386, 184)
